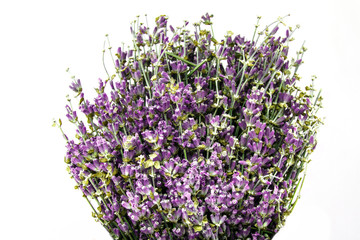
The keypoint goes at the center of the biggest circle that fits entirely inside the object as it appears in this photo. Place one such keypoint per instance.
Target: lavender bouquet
(195, 138)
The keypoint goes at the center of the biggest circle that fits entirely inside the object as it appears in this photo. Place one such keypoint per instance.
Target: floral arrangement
(195, 138)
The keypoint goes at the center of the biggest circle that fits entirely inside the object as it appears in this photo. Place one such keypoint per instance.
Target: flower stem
(180, 58)
(197, 67)
(167, 227)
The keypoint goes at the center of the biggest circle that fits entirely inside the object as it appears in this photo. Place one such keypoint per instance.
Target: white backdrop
(40, 39)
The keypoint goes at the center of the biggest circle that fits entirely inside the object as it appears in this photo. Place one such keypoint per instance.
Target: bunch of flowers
(195, 138)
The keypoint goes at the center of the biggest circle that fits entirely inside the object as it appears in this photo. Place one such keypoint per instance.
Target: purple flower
(207, 19)
(217, 219)
(274, 30)
(76, 86)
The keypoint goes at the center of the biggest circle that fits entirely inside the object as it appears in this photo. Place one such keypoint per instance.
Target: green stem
(107, 228)
(197, 67)
(107, 37)
(256, 27)
(103, 60)
(265, 231)
(146, 78)
(180, 58)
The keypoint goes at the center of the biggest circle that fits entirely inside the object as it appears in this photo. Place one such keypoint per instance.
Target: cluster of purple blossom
(196, 138)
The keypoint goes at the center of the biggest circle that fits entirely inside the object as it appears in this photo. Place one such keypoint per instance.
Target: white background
(40, 39)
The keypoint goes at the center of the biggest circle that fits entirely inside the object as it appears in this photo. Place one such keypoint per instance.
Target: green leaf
(125, 176)
(60, 122)
(144, 198)
(197, 228)
(229, 116)
(196, 202)
(152, 195)
(152, 140)
(157, 164)
(201, 147)
(85, 182)
(153, 155)
(214, 40)
(148, 163)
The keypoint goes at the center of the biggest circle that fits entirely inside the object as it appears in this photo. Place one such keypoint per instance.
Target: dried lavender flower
(196, 138)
